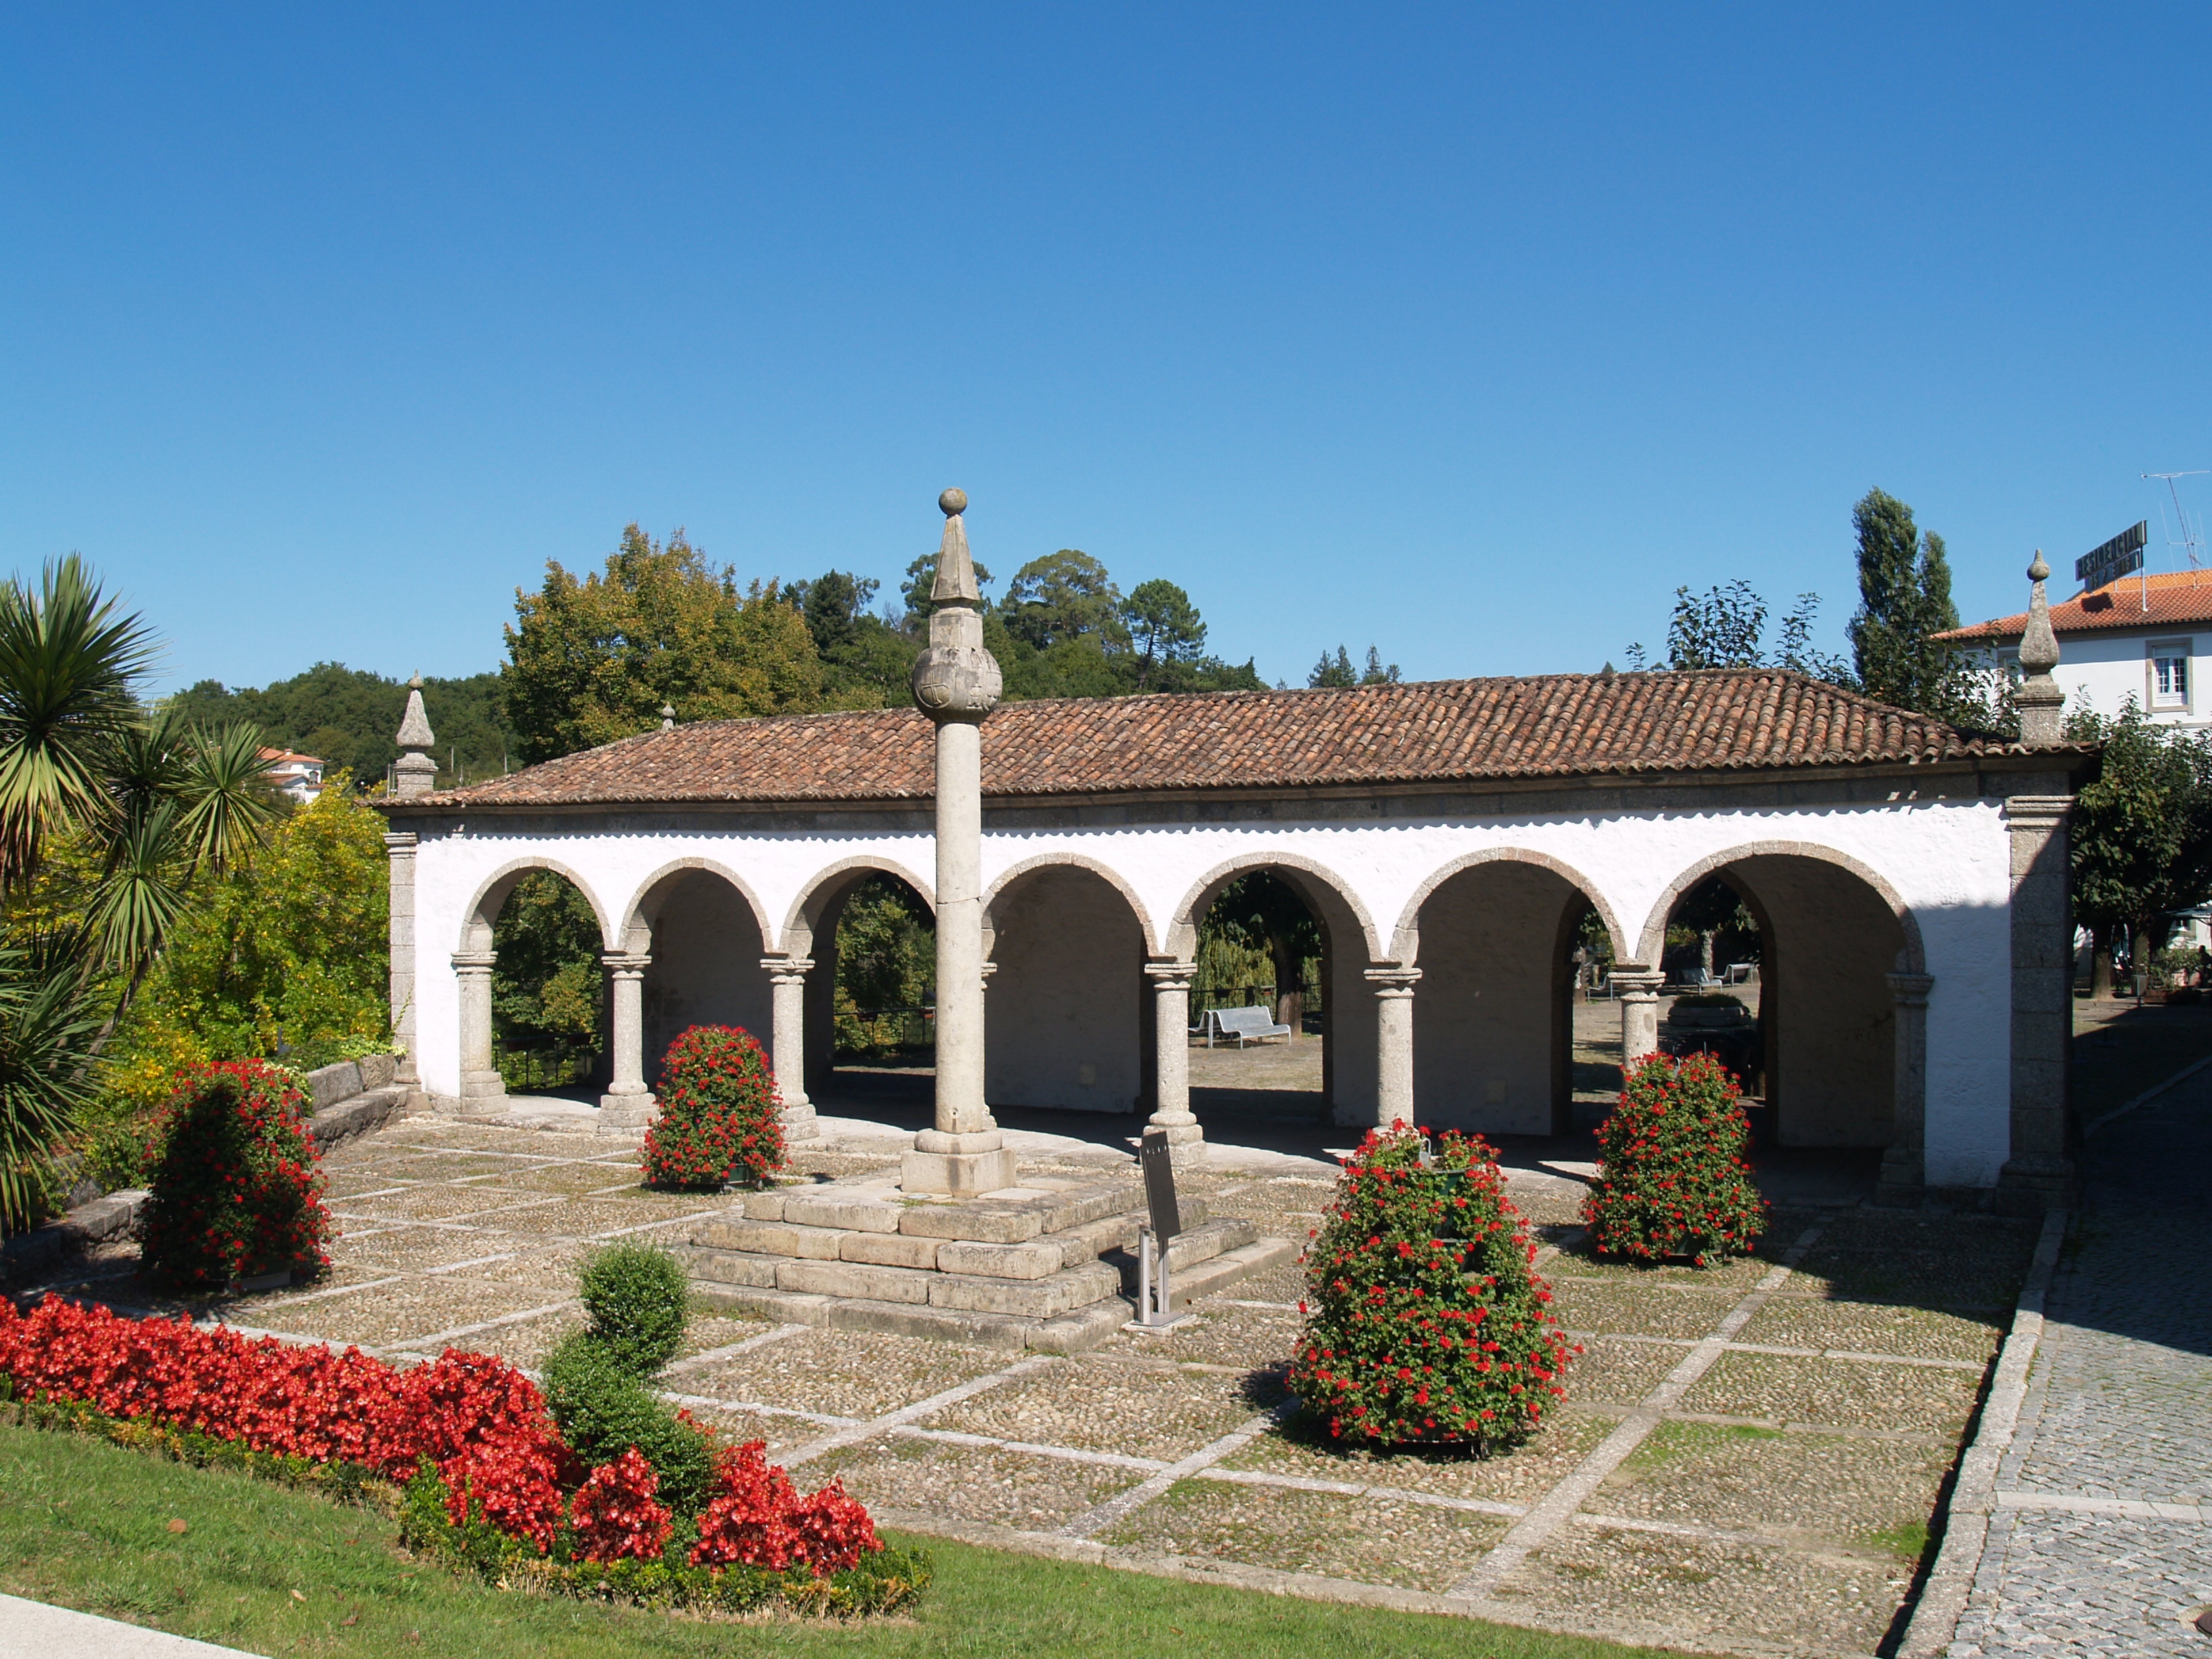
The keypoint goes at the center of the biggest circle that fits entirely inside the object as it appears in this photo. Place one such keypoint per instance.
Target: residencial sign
(2115, 559)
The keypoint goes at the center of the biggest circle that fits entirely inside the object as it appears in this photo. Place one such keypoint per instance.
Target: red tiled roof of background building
(2176, 597)
(1545, 725)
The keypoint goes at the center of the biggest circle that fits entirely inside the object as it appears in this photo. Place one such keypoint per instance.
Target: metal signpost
(2122, 555)
(1155, 1291)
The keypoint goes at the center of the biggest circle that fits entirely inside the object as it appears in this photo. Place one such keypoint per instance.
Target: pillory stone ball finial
(2038, 572)
(952, 503)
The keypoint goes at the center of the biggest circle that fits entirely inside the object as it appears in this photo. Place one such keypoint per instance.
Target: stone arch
(1069, 1013)
(1835, 1063)
(825, 885)
(1406, 936)
(810, 933)
(491, 893)
(636, 915)
(1098, 867)
(1494, 1013)
(1182, 940)
(1652, 941)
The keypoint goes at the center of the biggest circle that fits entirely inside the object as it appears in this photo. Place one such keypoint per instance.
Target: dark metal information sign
(2120, 556)
(1155, 1157)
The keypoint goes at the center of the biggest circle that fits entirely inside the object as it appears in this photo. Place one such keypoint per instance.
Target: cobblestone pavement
(1747, 1462)
(2100, 1541)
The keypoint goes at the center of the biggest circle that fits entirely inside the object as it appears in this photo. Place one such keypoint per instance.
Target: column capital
(1634, 979)
(626, 962)
(398, 843)
(786, 970)
(1910, 989)
(2024, 813)
(1171, 976)
(1392, 981)
(475, 961)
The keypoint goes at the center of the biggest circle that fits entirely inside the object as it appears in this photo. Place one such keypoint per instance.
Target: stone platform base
(1049, 1265)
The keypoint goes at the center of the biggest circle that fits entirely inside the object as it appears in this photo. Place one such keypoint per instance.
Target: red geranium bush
(1671, 1180)
(617, 1514)
(721, 1119)
(237, 1188)
(1426, 1320)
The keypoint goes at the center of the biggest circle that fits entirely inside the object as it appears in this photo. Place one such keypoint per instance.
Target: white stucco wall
(1947, 861)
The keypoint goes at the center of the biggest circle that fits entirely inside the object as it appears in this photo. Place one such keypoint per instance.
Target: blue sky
(1470, 331)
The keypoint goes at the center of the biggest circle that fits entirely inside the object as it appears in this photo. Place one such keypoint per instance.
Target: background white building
(2144, 636)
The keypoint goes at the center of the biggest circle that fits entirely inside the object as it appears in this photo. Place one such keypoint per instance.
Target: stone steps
(1051, 1265)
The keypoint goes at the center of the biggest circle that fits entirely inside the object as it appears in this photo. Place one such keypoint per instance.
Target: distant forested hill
(346, 716)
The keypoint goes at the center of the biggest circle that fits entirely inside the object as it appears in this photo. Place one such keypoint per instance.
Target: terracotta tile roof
(2177, 597)
(1548, 726)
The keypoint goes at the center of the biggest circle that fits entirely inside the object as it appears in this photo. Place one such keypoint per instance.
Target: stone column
(1638, 987)
(628, 1104)
(1904, 1166)
(399, 856)
(957, 683)
(1393, 1043)
(788, 1043)
(480, 1079)
(2039, 1172)
(1171, 1058)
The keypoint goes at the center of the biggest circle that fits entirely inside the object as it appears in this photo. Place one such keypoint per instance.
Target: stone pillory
(1456, 843)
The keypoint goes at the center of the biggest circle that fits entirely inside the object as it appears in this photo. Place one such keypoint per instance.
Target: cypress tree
(1904, 598)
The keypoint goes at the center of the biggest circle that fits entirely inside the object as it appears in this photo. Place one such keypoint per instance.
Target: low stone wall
(346, 1100)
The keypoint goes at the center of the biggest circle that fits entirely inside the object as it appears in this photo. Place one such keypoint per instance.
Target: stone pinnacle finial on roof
(415, 773)
(667, 717)
(956, 571)
(2038, 697)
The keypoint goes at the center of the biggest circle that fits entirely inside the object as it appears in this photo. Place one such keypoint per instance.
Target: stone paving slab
(1802, 1487)
(1716, 1595)
(1377, 1540)
(1837, 1393)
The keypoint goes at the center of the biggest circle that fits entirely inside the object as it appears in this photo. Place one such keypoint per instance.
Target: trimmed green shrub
(721, 1119)
(637, 1298)
(603, 1409)
(1672, 1179)
(1426, 1320)
(236, 1184)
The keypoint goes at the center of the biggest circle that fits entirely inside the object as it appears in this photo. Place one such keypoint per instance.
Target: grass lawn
(85, 1524)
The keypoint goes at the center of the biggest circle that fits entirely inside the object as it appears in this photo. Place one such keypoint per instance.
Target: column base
(1186, 1139)
(628, 1111)
(2029, 1186)
(956, 1173)
(800, 1124)
(483, 1086)
(1902, 1184)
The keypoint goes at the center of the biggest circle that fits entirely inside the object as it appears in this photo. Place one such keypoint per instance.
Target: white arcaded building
(1909, 882)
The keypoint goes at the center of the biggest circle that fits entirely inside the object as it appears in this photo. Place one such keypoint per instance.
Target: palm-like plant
(69, 663)
(48, 1026)
(161, 801)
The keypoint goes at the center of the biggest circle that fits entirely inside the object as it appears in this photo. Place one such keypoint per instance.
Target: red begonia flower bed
(472, 1423)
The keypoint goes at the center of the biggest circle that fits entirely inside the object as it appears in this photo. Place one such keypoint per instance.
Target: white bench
(1245, 1025)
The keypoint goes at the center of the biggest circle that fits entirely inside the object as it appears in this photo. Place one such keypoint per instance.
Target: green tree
(594, 660)
(1065, 596)
(1725, 627)
(1164, 628)
(346, 717)
(1337, 671)
(1905, 599)
(2141, 834)
(545, 981)
(284, 954)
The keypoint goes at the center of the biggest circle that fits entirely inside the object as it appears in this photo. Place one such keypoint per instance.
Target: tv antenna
(2191, 539)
